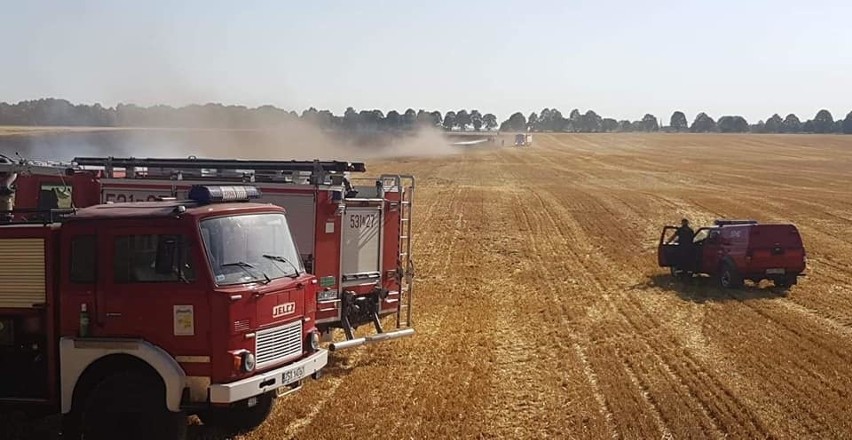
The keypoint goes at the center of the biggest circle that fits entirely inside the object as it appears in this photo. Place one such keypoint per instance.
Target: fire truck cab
(353, 234)
(127, 317)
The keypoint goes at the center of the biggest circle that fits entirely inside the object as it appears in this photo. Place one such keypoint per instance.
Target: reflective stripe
(193, 359)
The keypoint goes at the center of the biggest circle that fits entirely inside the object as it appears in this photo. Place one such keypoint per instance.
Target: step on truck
(353, 233)
(128, 317)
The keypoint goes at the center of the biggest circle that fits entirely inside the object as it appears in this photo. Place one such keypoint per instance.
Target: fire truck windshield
(239, 248)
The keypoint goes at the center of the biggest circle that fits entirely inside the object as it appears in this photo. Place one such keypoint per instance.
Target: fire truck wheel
(240, 418)
(130, 405)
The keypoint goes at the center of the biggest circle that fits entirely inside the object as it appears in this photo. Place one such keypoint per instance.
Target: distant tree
(575, 123)
(436, 118)
(325, 118)
(370, 119)
(774, 124)
(649, 123)
(847, 124)
(591, 122)
(625, 126)
(838, 126)
(462, 119)
(823, 122)
(703, 124)
(760, 127)
(791, 124)
(350, 119)
(609, 125)
(532, 122)
(449, 120)
(808, 126)
(409, 118)
(733, 124)
(476, 119)
(490, 121)
(393, 120)
(423, 119)
(516, 122)
(551, 120)
(678, 122)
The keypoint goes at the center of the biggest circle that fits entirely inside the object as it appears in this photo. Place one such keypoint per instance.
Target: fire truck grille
(278, 344)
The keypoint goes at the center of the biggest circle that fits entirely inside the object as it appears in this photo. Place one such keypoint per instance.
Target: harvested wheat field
(541, 311)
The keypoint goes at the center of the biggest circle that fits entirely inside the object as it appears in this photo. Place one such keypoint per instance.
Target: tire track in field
(783, 385)
(573, 211)
(707, 405)
(624, 313)
(629, 372)
(539, 271)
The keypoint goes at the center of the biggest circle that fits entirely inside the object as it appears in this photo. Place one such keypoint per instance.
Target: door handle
(113, 315)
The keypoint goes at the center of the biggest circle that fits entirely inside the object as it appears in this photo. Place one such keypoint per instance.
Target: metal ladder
(405, 184)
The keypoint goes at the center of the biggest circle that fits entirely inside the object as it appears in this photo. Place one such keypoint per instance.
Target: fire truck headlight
(314, 340)
(248, 361)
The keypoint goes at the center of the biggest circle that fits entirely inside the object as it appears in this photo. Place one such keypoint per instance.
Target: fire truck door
(150, 288)
(361, 252)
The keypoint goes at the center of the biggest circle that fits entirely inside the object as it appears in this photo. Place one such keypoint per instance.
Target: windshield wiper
(243, 265)
(281, 259)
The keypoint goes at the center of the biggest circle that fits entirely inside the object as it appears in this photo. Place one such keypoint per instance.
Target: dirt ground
(541, 312)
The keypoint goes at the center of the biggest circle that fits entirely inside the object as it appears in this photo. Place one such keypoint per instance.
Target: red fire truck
(126, 317)
(354, 234)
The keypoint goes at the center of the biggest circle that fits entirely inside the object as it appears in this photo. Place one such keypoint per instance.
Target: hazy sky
(620, 58)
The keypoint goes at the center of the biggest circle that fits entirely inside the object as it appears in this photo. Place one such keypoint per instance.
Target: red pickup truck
(736, 250)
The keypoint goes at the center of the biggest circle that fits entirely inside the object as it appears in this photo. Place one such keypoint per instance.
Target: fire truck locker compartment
(22, 276)
(362, 243)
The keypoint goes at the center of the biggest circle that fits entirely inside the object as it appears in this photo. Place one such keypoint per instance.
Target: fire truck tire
(241, 418)
(130, 405)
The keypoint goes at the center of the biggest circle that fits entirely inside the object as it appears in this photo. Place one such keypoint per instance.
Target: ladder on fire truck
(405, 185)
(216, 168)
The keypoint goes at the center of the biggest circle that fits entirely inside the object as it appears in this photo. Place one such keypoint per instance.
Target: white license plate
(293, 375)
(774, 271)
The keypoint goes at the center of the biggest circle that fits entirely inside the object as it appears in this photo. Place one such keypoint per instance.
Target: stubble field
(541, 312)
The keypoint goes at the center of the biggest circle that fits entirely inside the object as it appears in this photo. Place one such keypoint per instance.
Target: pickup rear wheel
(130, 405)
(729, 278)
(785, 282)
(240, 418)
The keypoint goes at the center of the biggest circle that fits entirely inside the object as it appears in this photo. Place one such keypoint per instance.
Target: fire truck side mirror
(165, 262)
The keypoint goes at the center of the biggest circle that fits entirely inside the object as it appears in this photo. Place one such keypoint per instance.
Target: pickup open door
(667, 253)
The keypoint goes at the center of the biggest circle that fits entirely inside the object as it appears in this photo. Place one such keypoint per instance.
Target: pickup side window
(84, 259)
(152, 259)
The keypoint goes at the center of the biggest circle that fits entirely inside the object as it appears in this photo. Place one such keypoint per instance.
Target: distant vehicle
(733, 251)
(522, 139)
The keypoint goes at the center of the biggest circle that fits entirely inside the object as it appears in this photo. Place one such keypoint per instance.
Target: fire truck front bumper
(268, 381)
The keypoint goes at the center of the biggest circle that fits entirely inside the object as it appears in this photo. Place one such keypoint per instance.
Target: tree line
(60, 112)
(591, 122)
